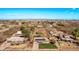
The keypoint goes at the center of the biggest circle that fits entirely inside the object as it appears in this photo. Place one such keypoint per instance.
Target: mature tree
(75, 32)
(26, 33)
(22, 28)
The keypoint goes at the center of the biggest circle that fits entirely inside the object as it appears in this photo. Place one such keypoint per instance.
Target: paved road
(35, 46)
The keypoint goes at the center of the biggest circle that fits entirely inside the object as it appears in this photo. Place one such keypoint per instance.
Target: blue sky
(39, 13)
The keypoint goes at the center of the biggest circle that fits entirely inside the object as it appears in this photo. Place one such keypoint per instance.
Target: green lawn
(47, 46)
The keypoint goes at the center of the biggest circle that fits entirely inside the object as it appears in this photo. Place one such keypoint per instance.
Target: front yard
(47, 46)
